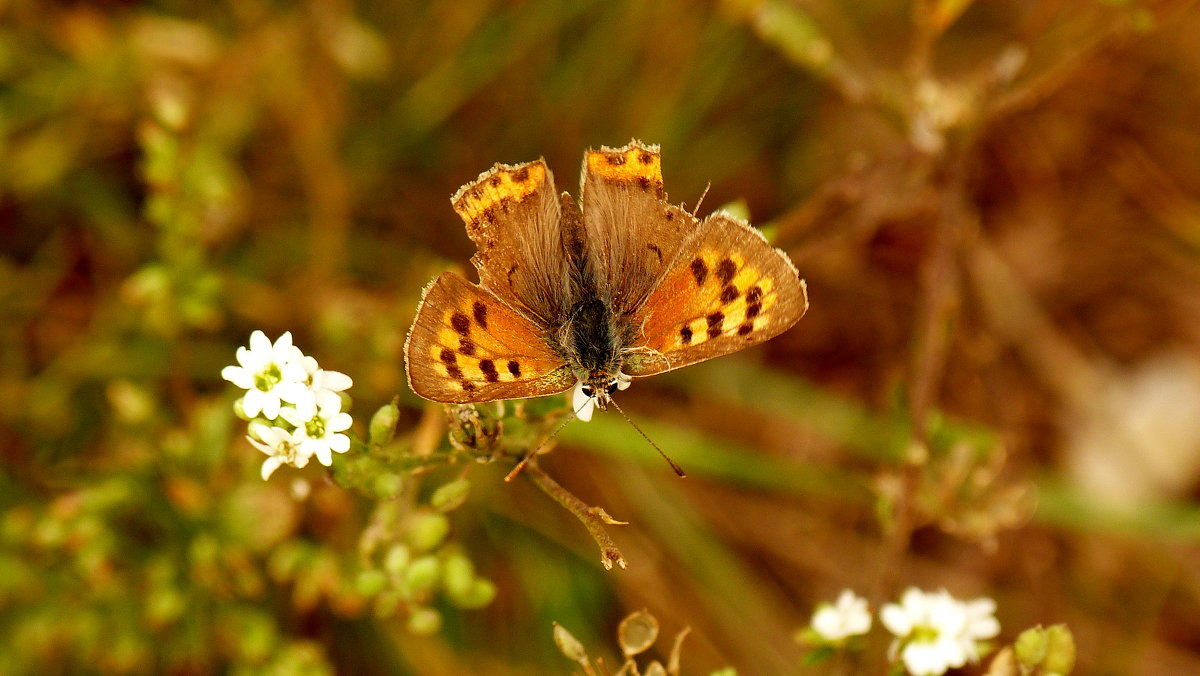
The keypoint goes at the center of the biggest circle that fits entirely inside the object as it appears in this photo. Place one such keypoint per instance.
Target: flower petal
(293, 372)
(339, 422)
(295, 417)
(896, 619)
(270, 465)
(259, 343)
(252, 403)
(238, 376)
(339, 443)
(328, 400)
(282, 349)
(296, 393)
(321, 450)
(270, 404)
(923, 659)
(332, 381)
(828, 623)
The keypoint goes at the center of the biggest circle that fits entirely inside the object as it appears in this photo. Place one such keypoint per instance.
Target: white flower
(270, 374)
(936, 632)
(846, 617)
(282, 447)
(321, 434)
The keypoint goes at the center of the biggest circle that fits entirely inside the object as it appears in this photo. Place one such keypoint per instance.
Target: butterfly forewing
(512, 215)
(466, 345)
(632, 232)
(726, 290)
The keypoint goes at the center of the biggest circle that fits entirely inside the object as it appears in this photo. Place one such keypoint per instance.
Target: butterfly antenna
(697, 208)
(672, 463)
(521, 465)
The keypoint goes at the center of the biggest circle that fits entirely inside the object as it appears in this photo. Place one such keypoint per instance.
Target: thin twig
(593, 518)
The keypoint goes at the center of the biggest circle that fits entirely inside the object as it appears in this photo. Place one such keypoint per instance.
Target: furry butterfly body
(592, 293)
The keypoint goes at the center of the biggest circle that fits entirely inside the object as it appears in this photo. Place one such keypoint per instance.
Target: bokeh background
(996, 390)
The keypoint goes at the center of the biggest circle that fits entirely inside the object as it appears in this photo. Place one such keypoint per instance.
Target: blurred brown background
(996, 390)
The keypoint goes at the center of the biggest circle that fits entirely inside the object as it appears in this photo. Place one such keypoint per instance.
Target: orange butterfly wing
(726, 290)
(466, 345)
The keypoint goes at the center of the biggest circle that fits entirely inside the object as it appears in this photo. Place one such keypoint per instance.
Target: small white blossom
(270, 374)
(321, 434)
(936, 632)
(848, 616)
(283, 447)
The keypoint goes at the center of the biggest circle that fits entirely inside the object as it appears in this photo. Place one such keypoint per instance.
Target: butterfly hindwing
(632, 232)
(726, 290)
(466, 345)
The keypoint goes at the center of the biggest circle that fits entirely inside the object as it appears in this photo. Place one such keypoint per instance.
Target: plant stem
(593, 518)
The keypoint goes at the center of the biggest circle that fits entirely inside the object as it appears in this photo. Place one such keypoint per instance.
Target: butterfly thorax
(592, 344)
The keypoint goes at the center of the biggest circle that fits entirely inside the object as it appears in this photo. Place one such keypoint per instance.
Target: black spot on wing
(685, 335)
(729, 294)
(489, 370)
(753, 302)
(479, 310)
(699, 270)
(714, 324)
(514, 368)
(726, 269)
(460, 323)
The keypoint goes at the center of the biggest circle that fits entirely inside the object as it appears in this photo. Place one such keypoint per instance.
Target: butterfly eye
(613, 386)
(587, 390)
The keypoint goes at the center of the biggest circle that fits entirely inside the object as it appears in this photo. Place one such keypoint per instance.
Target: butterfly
(590, 294)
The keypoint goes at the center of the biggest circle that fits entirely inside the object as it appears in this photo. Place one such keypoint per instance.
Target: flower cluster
(934, 631)
(294, 406)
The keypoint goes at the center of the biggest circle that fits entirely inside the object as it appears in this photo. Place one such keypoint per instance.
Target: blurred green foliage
(995, 205)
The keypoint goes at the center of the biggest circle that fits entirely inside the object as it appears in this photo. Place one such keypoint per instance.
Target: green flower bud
(395, 562)
(479, 594)
(458, 574)
(1060, 650)
(449, 497)
(424, 621)
(428, 530)
(370, 582)
(1030, 647)
(422, 574)
(383, 424)
(388, 485)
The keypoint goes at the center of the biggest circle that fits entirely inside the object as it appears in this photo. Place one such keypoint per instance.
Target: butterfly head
(595, 391)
